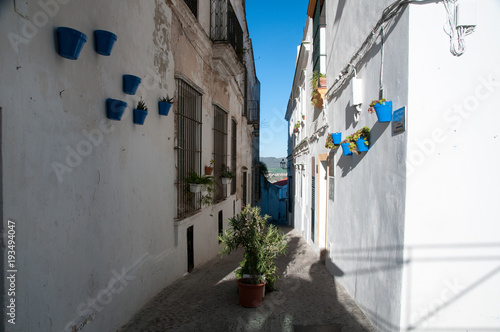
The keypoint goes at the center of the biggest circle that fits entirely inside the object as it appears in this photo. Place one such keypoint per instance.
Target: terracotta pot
(208, 170)
(250, 295)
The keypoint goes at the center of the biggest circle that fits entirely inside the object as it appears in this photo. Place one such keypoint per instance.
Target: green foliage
(363, 133)
(329, 143)
(195, 178)
(141, 105)
(314, 82)
(373, 103)
(167, 99)
(261, 241)
(263, 168)
(226, 172)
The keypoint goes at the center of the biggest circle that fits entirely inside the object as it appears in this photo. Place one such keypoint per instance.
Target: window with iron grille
(189, 125)
(233, 155)
(318, 23)
(193, 5)
(220, 151)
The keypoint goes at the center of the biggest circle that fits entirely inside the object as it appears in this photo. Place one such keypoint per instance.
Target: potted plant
(164, 105)
(104, 41)
(336, 138)
(209, 169)
(296, 127)
(357, 142)
(303, 117)
(130, 84)
(330, 143)
(115, 108)
(262, 244)
(140, 112)
(318, 89)
(226, 174)
(345, 147)
(383, 109)
(70, 42)
(198, 183)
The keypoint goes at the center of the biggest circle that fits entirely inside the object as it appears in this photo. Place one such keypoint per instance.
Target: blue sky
(276, 29)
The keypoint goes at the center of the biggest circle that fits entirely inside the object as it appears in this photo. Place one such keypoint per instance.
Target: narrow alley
(307, 299)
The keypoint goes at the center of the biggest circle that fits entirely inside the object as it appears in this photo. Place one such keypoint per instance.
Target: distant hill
(272, 162)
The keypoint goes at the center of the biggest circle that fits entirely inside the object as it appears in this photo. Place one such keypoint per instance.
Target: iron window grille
(220, 151)
(224, 25)
(233, 154)
(189, 133)
(253, 111)
(193, 6)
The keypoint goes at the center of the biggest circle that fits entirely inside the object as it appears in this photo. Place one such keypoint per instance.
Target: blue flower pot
(164, 107)
(70, 42)
(384, 111)
(130, 84)
(104, 41)
(360, 143)
(337, 138)
(139, 116)
(115, 108)
(345, 149)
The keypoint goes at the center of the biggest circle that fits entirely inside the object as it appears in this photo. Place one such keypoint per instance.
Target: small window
(233, 154)
(220, 151)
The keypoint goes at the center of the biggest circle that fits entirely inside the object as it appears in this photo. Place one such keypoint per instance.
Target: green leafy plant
(316, 98)
(329, 143)
(167, 99)
(141, 105)
(363, 133)
(371, 109)
(195, 178)
(262, 244)
(226, 172)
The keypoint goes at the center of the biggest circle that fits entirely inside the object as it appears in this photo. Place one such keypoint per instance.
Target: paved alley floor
(307, 299)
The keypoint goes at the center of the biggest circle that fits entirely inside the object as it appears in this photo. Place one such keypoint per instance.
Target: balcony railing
(253, 111)
(224, 25)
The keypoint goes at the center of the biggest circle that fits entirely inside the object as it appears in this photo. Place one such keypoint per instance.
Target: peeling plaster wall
(94, 199)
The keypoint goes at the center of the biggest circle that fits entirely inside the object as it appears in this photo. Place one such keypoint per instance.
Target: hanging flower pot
(139, 116)
(360, 143)
(345, 149)
(140, 112)
(104, 41)
(337, 138)
(164, 107)
(196, 188)
(384, 111)
(226, 180)
(70, 42)
(115, 108)
(208, 170)
(130, 84)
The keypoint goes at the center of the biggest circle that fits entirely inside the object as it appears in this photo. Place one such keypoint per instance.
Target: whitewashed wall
(99, 240)
(452, 225)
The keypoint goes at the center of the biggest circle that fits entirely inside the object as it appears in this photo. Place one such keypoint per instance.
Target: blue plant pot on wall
(345, 149)
(360, 143)
(384, 111)
(104, 41)
(70, 42)
(139, 116)
(130, 84)
(164, 107)
(337, 138)
(115, 108)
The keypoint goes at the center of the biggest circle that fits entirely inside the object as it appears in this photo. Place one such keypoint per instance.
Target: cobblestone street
(307, 299)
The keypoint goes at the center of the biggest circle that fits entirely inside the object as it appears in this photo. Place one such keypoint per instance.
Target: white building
(103, 219)
(410, 227)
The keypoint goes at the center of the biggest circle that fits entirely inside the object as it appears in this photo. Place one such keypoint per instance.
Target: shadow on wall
(384, 263)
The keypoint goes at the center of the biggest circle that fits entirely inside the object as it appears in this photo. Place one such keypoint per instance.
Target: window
(233, 154)
(318, 34)
(188, 119)
(220, 150)
(193, 5)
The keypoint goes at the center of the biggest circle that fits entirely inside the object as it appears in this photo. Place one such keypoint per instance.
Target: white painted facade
(411, 227)
(95, 200)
